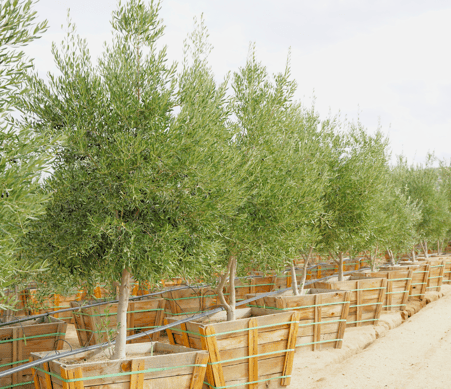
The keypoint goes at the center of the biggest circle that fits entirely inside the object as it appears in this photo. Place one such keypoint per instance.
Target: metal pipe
(51, 313)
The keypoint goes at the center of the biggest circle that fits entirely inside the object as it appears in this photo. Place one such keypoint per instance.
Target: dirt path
(413, 355)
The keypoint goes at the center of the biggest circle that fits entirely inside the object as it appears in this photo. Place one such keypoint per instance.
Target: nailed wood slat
(253, 350)
(291, 344)
(197, 380)
(137, 380)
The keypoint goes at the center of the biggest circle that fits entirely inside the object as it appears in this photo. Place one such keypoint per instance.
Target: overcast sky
(386, 61)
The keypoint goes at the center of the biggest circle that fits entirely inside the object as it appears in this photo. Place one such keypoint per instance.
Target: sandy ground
(412, 355)
(393, 354)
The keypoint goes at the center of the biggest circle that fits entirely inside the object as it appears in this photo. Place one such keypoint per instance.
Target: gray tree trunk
(340, 267)
(121, 337)
(294, 281)
(230, 274)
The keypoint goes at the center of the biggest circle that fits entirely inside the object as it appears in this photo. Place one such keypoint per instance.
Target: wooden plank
(37, 385)
(170, 333)
(291, 344)
(407, 288)
(159, 320)
(197, 379)
(253, 350)
(184, 335)
(211, 345)
(359, 301)
(380, 300)
(65, 376)
(442, 271)
(48, 379)
(137, 380)
(389, 294)
(317, 317)
(15, 376)
(342, 324)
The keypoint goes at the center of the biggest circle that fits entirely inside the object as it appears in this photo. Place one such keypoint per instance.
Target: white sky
(387, 61)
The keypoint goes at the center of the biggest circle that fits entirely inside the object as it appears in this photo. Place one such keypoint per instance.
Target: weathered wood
(291, 345)
(20, 341)
(189, 301)
(318, 315)
(174, 367)
(398, 287)
(137, 380)
(366, 295)
(197, 379)
(436, 272)
(93, 324)
(253, 351)
(247, 350)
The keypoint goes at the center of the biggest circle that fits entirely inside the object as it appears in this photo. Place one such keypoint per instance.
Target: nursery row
(131, 169)
(257, 348)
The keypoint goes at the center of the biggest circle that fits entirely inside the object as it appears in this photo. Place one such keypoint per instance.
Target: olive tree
(358, 162)
(139, 188)
(24, 154)
(279, 140)
(422, 184)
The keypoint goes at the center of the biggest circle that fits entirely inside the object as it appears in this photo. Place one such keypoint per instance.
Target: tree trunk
(304, 270)
(340, 267)
(438, 247)
(124, 294)
(413, 255)
(373, 262)
(230, 307)
(425, 249)
(392, 257)
(294, 281)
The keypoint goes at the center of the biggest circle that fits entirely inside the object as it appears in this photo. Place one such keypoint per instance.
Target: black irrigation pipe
(51, 313)
(26, 318)
(146, 333)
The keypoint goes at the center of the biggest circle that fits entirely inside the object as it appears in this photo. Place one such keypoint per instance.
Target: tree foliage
(24, 154)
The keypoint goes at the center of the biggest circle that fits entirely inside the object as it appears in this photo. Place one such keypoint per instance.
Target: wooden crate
(150, 365)
(436, 271)
(366, 298)
(37, 304)
(19, 309)
(419, 278)
(244, 286)
(18, 342)
(258, 346)
(351, 264)
(398, 287)
(324, 270)
(94, 325)
(189, 301)
(323, 315)
(447, 271)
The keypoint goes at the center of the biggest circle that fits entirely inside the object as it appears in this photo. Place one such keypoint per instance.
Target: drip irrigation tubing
(150, 332)
(51, 313)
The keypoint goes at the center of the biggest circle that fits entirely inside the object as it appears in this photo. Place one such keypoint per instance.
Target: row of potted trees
(158, 171)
